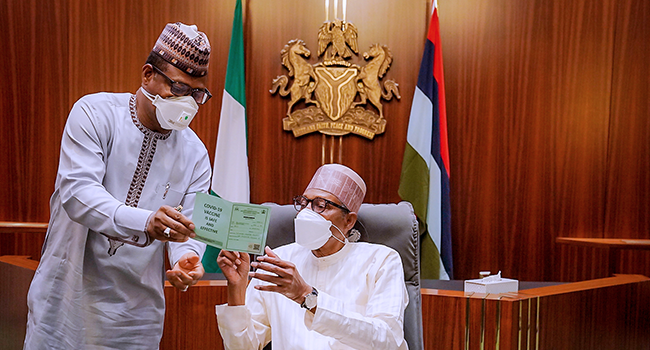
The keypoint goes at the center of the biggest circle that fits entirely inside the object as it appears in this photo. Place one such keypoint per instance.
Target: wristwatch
(310, 299)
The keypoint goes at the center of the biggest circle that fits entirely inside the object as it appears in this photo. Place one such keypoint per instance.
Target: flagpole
(323, 142)
(336, 9)
(327, 14)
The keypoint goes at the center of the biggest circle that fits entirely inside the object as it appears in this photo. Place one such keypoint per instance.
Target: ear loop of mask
(338, 239)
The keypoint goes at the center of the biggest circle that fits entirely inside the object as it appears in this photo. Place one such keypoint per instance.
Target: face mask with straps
(312, 230)
(173, 113)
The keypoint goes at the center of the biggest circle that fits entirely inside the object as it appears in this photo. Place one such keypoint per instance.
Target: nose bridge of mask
(313, 218)
(309, 214)
(325, 224)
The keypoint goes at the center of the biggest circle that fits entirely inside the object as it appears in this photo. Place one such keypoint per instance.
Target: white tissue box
(491, 285)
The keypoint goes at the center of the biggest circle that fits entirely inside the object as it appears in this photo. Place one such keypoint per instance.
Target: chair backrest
(393, 225)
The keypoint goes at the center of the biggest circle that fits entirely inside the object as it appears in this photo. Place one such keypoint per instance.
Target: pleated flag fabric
(230, 177)
(425, 169)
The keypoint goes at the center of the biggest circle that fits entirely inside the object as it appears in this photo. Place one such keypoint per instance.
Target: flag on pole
(230, 179)
(425, 169)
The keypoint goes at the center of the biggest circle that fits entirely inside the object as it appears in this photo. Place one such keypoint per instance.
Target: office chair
(393, 225)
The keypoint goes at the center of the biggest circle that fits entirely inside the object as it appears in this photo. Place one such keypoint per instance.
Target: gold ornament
(334, 90)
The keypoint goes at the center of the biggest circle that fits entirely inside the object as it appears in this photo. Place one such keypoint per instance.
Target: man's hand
(284, 277)
(235, 267)
(186, 272)
(179, 227)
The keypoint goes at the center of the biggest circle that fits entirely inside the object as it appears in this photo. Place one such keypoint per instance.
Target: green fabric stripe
(414, 181)
(414, 187)
(429, 258)
(235, 76)
(235, 86)
(210, 260)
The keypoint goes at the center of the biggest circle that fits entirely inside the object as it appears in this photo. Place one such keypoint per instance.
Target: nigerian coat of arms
(335, 91)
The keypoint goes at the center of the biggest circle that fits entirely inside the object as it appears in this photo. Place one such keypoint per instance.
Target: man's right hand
(179, 227)
(235, 267)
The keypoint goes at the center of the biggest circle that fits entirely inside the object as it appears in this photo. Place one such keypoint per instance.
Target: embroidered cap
(342, 182)
(185, 48)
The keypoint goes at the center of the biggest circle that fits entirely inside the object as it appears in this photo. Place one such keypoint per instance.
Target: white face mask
(313, 230)
(173, 113)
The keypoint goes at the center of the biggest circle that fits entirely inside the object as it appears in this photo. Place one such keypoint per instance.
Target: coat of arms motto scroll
(334, 91)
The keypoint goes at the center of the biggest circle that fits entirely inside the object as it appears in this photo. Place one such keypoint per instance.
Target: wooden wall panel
(22, 243)
(547, 109)
(527, 87)
(33, 104)
(582, 263)
(275, 154)
(111, 41)
(628, 173)
(626, 211)
(634, 261)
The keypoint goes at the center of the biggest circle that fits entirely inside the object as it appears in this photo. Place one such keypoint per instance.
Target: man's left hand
(284, 277)
(186, 272)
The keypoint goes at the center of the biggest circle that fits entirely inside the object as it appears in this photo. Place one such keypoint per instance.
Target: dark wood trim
(21, 227)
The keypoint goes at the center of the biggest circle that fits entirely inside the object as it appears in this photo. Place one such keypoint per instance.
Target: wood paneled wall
(546, 112)
(548, 109)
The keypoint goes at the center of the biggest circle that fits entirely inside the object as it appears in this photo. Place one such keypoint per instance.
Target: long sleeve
(201, 184)
(113, 172)
(361, 302)
(82, 168)
(380, 326)
(244, 327)
(102, 152)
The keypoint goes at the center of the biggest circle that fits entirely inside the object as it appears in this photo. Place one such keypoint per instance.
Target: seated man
(322, 292)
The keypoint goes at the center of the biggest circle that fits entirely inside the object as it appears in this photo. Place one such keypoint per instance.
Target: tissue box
(491, 286)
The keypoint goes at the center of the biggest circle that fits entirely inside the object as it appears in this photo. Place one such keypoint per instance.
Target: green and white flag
(230, 179)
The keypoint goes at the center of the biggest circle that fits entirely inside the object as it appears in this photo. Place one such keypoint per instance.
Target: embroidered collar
(142, 128)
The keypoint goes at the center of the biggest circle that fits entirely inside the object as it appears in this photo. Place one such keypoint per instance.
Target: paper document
(231, 226)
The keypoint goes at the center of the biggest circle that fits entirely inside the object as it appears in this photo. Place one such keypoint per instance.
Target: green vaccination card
(231, 226)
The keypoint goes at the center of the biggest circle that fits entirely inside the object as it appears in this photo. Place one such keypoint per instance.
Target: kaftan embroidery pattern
(147, 151)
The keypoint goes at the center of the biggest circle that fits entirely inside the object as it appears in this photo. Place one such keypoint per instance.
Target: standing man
(322, 292)
(128, 174)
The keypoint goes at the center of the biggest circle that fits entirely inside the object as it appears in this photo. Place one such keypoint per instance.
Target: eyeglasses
(201, 96)
(318, 204)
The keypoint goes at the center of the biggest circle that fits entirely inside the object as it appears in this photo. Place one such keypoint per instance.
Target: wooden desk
(21, 227)
(16, 273)
(612, 246)
(608, 313)
(22, 238)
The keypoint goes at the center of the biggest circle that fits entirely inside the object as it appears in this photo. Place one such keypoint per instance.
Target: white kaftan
(361, 302)
(91, 290)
